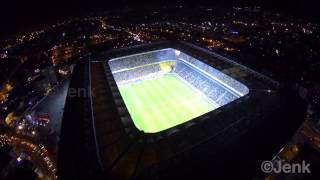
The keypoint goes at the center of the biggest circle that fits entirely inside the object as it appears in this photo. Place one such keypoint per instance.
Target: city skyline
(34, 14)
(78, 88)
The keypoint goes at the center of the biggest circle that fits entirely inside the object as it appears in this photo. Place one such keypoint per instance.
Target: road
(53, 104)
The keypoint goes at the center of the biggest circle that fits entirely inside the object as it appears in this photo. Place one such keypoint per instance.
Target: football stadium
(165, 88)
(172, 109)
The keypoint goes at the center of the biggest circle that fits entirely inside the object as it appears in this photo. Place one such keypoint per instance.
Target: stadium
(165, 88)
(172, 109)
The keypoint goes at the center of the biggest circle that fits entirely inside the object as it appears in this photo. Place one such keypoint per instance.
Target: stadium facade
(172, 109)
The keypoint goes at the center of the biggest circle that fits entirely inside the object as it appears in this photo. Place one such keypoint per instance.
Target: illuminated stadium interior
(164, 88)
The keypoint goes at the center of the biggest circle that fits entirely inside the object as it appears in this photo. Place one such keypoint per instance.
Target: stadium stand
(217, 86)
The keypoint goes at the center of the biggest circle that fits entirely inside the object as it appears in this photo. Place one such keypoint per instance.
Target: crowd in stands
(142, 59)
(218, 74)
(136, 73)
(207, 86)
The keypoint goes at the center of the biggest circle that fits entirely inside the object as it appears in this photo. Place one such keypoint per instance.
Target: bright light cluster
(170, 71)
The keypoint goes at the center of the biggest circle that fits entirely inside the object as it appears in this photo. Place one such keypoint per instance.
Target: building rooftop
(236, 137)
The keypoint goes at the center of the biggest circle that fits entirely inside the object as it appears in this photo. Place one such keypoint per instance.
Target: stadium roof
(98, 137)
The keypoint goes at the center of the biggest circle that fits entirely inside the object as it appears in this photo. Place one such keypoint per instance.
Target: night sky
(22, 16)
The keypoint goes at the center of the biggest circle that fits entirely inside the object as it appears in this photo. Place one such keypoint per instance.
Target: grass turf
(161, 103)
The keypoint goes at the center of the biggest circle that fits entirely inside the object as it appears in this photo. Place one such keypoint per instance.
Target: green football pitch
(161, 103)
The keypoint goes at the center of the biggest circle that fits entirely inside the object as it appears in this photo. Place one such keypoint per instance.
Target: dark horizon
(21, 17)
